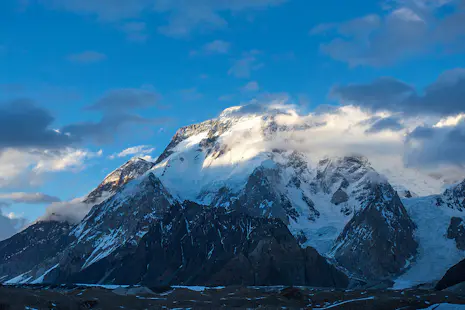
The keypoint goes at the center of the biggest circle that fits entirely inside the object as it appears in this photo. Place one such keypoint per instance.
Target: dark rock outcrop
(455, 197)
(339, 197)
(453, 276)
(335, 174)
(31, 247)
(118, 222)
(456, 231)
(378, 241)
(261, 198)
(314, 213)
(199, 245)
(131, 170)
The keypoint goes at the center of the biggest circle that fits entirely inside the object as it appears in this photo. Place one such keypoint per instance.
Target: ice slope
(437, 253)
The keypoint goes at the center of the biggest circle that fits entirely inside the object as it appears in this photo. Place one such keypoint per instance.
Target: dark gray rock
(453, 276)
(454, 197)
(378, 241)
(339, 197)
(456, 231)
(131, 170)
(334, 174)
(32, 246)
(214, 128)
(199, 245)
(314, 213)
(260, 197)
(118, 222)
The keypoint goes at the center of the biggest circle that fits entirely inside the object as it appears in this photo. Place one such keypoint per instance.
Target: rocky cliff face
(261, 198)
(119, 222)
(454, 197)
(131, 170)
(453, 276)
(456, 231)
(199, 245)
(378, 242)
(31, 247)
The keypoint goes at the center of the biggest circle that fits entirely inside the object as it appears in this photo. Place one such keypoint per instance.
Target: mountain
(455, 275)
(180, 244)
(131, 170)
(48, 236)
(32, 246)
(199, 245)
(230, 202)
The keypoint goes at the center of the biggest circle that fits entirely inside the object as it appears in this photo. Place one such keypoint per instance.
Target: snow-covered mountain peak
(131, 170)
(454, 197)
(342, 172)
(458, 189)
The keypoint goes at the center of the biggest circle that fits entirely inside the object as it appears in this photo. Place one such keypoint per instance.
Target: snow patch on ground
(446, 307)
(21, 279)
(104, 246)
(199, 288)
(41, 278)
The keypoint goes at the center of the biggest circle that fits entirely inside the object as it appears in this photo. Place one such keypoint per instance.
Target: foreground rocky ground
(83, 297)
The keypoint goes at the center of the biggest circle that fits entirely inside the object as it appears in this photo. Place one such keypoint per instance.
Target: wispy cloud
(405, 30)
(87, 57)
(135, 31)
(444, 97)
(252, 86)
(191, 94)
(243, 67)
(183, 17)
(25, 125)
(10, 225)
(29, 198)
(120, 108)
(139, 151)
(214, 47)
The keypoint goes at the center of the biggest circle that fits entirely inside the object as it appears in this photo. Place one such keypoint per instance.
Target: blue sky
(186, 61)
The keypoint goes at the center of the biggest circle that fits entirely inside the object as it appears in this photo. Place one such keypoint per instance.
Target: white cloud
(10, 224)
(406, 29)
(67, 211)
(67, 160)
(348, 130)
(149, 158)
(29, 198)
(72, 211)
(407, 14)
(138, 151)
(26, 167)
